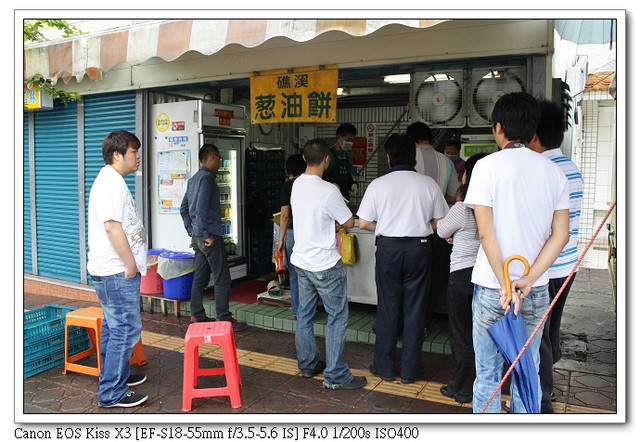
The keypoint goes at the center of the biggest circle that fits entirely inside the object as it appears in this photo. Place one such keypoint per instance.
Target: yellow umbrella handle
(505, 269)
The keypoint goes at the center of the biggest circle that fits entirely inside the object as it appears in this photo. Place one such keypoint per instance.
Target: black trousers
(459, 299)
(550, 344)
(441, 250)
(402, 281)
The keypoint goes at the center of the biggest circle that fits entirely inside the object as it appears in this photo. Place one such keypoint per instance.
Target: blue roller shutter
(56, 184)
(27, 268)
(103, 114)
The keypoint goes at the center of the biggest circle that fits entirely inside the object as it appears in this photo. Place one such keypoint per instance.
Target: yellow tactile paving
(422, 390)
(256, 360)
(284, 365)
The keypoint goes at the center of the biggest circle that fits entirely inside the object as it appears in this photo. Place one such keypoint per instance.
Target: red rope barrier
(546, 313)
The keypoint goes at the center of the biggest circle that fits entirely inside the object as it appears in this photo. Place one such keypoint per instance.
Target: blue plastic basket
(45, 322)
(52, 359)
(77, 335)
(44, 338)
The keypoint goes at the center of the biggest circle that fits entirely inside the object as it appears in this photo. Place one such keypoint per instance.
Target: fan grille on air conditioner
(437, 99)
(487, 86)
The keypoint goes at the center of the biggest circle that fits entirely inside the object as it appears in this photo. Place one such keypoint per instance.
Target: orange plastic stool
(91, 319)
(220, 333)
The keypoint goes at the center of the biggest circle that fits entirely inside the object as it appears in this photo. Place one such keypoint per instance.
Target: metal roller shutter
(104, 114)
(56, 186)
(58, 175)
(27, 268)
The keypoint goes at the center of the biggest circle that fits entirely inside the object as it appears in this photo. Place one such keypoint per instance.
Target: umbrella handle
(505, 270)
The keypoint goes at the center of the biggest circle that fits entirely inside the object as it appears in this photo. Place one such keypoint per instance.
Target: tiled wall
(595, 158)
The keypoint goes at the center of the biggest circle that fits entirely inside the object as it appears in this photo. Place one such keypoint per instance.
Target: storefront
(124, 72)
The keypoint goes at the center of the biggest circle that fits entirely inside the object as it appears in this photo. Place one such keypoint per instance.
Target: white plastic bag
(174, 264)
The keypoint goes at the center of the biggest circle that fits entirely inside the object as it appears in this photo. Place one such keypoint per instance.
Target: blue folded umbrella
(510, 334)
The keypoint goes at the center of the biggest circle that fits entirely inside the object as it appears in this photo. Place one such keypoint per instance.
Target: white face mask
(453, 156)
(347, 145)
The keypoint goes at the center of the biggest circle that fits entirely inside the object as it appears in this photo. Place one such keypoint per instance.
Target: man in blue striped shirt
(547, 140)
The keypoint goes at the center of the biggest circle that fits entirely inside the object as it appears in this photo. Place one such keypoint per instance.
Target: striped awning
(94, 53)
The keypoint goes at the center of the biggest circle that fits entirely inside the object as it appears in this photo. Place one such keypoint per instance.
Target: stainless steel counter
(361, 280)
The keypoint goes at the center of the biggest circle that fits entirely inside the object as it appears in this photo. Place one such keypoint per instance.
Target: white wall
(597, 167)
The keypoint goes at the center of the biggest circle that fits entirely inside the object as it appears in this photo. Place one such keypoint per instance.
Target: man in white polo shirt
(400, 208)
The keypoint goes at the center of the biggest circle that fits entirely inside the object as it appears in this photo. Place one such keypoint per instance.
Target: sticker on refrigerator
(162, 122)
(173, 172)
(177, 125)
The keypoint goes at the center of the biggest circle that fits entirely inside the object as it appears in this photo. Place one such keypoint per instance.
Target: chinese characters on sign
(358, 151)
(369, 149)
(36, 98)
(297, 95)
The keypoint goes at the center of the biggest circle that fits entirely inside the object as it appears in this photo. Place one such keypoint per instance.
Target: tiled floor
(270, 381)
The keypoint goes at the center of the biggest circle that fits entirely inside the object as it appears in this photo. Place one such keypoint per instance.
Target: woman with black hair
(459, 227)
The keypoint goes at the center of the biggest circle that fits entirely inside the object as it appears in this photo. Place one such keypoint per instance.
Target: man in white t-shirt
(399, 208)
(521, 205)
(318, 209)
(116, 260)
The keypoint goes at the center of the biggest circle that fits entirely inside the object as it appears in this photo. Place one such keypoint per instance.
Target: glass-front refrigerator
(178, 130)
(230, 183)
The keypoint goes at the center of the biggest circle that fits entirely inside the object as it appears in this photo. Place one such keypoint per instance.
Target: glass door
(230, 184)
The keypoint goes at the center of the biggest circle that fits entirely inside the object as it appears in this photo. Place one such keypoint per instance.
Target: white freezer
(177, 132)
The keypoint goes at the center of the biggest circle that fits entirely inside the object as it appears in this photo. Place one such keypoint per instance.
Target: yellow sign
(35, 98)
(162, 122)
(295, 95)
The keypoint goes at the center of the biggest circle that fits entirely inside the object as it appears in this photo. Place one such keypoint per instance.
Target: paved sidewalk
(585, 377)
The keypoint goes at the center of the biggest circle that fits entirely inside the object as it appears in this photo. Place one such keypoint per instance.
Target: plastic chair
(91, 319)
(204, 333)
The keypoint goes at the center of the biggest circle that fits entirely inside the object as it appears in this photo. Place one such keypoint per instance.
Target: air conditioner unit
(437, 98)
(486, 87)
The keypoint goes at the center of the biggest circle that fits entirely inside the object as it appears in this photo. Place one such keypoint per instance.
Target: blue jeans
(331, 286)
(121, 328)
(293, 273)
(207, 261)
(489, 362)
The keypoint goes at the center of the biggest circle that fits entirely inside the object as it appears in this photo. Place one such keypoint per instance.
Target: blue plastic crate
(45, 322)
(77, 335)
(52, 359)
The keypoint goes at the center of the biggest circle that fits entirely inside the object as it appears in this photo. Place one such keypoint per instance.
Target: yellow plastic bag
(348, 246)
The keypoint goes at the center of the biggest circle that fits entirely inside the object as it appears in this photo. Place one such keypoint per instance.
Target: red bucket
(151, 283)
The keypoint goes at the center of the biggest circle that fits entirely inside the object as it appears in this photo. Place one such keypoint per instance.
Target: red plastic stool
(204, 333)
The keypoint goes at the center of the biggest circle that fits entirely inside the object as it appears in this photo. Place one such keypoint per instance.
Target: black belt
(404, 239)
